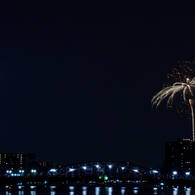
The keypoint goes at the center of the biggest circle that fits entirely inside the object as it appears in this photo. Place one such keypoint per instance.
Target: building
(180, 157)
(16, 160)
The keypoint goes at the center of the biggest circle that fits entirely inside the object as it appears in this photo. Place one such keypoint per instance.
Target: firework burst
(185, 69)
(187, 89)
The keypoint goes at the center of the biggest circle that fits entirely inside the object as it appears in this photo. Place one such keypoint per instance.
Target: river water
(104, 190)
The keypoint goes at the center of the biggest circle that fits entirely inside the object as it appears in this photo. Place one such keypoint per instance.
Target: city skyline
(77, 79)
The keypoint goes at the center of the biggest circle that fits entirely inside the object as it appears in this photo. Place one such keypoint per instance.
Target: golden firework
(185, 69)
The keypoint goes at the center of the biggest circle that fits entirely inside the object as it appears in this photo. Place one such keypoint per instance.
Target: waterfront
(104, 190)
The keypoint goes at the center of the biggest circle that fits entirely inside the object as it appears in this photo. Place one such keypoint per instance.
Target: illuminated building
(180, 157)
(16, 160)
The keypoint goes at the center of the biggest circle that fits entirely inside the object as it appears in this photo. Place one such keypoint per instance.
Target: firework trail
(188, 92)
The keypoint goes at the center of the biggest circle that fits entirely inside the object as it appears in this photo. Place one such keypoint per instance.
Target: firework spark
(186, 88)
(184, 70)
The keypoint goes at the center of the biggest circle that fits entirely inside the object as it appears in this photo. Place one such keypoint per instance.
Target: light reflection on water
(122, 190)
(188, 191)
(110, 191)
(175, 191)
(84, 190)
(32, 192)
(97, 190)
(71, 188)
(135, 190)
(52, 193)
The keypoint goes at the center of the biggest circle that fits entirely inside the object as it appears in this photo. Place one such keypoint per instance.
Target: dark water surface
(90, 190)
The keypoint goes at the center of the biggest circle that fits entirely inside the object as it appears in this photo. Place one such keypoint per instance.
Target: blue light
(174, 172)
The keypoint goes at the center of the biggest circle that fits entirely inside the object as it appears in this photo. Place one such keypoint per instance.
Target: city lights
(53, 170)
(154, 171)
(71, 170)
(187, 173)
(136, 170)
(174, 172)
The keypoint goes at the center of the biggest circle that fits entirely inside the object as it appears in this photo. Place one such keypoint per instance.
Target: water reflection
(20, 192)
(84, 190)
(188, 191)
(52, 187)
(97, 190)
(175, 191)
(122, 190)
(110, 191)
(155, 190)
(71, 188)
(32, 192)
(135, 190)
(52, 192)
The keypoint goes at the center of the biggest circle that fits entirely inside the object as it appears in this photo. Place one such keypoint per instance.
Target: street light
(85, 168)
(110, 167)
(187, 173)
(53, 170)
(154, 172)
(174, 174)
(136, 170)
(71, 170)
(33, 171)
(9, 171)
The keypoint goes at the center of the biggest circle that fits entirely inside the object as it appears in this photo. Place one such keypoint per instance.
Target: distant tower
(180, 157)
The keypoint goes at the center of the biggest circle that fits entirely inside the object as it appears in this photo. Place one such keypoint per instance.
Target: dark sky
(77, 78)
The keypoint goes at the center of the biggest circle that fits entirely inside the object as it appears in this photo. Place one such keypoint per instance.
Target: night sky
(77, 78)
